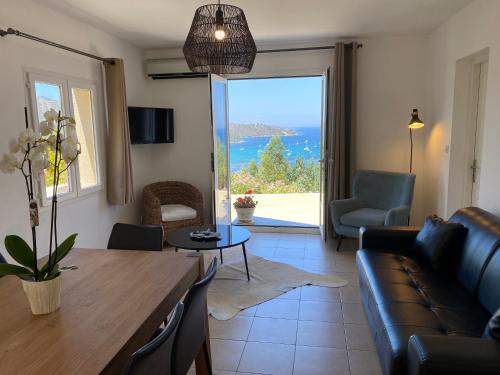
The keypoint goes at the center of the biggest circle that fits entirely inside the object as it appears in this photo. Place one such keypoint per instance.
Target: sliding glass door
(220, 153)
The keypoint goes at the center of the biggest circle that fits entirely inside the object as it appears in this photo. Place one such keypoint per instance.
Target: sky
(48, 90)
(287, 102)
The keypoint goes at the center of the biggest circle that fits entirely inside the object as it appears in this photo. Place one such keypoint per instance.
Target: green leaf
(20, 251)
(62, 250)
(13, 269)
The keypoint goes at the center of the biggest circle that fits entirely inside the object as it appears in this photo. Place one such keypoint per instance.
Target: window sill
(73, 198)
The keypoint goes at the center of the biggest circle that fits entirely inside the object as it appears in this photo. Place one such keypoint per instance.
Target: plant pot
(245, 215)
(44, 296)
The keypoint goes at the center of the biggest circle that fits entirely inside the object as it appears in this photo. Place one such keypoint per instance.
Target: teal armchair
(378, 198)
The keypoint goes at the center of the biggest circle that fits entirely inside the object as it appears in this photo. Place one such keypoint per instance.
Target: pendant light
(220, 41)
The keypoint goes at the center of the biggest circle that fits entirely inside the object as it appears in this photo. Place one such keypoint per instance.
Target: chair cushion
(177, 212)
(364, 216)
(438, 243)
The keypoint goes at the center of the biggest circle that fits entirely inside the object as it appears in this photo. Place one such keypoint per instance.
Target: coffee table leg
(246, 263)
(176, 249)
(221, 260)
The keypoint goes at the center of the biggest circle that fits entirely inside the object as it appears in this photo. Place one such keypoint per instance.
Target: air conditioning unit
(170, 69)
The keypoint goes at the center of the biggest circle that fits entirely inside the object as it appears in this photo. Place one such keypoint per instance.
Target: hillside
(239, 131)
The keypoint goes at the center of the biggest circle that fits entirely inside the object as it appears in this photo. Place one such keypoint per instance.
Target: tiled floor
(308, 331)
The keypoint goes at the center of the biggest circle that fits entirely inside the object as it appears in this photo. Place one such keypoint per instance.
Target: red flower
(249, 192)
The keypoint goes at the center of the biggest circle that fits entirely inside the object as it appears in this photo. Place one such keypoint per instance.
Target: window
(76, 99)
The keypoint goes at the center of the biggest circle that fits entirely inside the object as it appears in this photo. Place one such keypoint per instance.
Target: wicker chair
(171, 192)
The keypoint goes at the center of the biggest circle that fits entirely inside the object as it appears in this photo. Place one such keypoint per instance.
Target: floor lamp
(415, 123)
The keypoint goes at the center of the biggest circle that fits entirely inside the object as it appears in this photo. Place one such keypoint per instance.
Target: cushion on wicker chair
(176, 212)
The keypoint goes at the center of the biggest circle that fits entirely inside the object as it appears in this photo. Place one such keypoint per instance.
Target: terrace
(300, 210)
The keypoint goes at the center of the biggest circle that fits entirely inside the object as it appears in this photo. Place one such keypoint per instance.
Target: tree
(221, 164)
(253, 168)
(273, 164)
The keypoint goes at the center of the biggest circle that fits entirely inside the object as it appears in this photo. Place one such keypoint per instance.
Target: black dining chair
(136, 237)
(156, 356)
(191, 335)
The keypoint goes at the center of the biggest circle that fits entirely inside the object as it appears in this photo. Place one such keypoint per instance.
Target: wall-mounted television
(151, 125)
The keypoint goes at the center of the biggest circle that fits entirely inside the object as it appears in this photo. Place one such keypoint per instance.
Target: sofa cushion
(438, 243)
(177, 212)
(492, 330)
(489, 290)
(364, 216)
(482, 240)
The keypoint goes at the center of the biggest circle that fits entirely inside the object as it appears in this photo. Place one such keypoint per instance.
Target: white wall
(471, 30)
(188, 158)
(391, 81)
(91, 216)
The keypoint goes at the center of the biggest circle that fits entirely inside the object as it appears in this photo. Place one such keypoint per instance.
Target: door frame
(323, 209)
(463, 130)
(325, 117)
(214, 77)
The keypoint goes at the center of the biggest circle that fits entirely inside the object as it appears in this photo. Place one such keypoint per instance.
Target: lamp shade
(415, 122)
(220, 41)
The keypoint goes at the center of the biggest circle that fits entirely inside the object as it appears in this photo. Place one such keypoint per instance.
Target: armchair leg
(339, 242)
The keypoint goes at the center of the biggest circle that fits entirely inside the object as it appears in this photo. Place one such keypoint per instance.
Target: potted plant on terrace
(50, 151)
(245, 207)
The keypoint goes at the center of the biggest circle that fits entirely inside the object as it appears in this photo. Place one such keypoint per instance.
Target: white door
(323, 208)
(480, 72)
(220, 154)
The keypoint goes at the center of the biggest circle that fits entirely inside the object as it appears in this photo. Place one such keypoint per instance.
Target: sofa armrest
(397, 239)
(430, 355)
(397, 216)
(341, 207)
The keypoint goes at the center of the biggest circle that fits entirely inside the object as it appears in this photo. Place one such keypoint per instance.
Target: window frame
(79, 84)
(66, 84)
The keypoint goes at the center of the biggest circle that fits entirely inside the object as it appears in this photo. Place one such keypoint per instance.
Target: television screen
(151, 125)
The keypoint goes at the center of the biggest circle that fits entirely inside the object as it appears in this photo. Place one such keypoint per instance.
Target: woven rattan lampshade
(233, 53)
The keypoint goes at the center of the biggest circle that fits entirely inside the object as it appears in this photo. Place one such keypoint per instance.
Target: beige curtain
(341, 127)
(119, 165)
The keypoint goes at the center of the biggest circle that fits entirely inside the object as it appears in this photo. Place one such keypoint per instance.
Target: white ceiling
(165, 23)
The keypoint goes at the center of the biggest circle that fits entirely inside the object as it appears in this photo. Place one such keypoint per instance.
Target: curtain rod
(302, 49)
(11, 31)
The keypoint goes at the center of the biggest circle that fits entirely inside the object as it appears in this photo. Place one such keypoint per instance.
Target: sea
(304, 144)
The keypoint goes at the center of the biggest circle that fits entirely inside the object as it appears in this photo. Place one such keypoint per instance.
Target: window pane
(87, 161)
(49, 96)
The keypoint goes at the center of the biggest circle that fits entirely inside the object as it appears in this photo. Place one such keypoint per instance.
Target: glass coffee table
(231, 236)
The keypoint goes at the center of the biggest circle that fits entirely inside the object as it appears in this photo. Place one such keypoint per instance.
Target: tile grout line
(246, 341)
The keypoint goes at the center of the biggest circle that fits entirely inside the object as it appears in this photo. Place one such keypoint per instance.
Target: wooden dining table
(111, 305)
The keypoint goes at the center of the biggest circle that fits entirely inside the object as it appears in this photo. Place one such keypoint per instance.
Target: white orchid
(14, 146)
(40, 151)
(46, 128)
(69, 150)
(6, 167)
(26, 136)
(51, 116)
(12, 160)
(39, 163)
(71, 134)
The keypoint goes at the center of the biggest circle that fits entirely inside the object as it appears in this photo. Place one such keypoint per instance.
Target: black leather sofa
(428, 323)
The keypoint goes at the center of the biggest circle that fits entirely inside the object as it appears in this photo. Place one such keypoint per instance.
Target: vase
(245, 215)
(44, 296)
